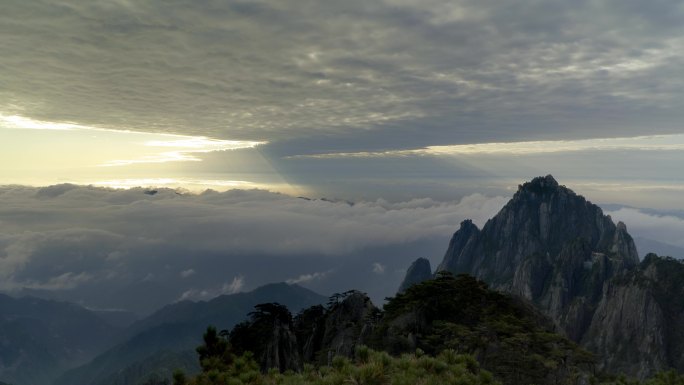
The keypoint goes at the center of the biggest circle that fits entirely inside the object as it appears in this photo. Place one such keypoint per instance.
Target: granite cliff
(559, 251)
(637, 326)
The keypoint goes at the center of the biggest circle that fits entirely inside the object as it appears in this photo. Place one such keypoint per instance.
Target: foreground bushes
(662, 378)
(368, 368)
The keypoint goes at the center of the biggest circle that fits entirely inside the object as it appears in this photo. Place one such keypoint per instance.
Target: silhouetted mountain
(39, 339)
(174, 331)
(419, 271)
(649, 246)
(554, 248)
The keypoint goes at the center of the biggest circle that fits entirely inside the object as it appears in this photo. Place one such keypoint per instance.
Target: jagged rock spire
(418, 272)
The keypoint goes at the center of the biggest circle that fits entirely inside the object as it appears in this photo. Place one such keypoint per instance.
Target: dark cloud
(433, 71)
(76, 241)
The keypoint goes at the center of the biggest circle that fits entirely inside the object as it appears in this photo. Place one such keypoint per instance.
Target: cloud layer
(66, 237)
(660, 227)
(134, 249)
(430, 72)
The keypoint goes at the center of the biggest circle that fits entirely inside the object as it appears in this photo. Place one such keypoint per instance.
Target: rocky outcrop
(418, 272)
(504, 333)
(554, 248)
(464, 248)
(628, 331)
(636, 328)
(338, 330)
(315, 335)
(281, 350)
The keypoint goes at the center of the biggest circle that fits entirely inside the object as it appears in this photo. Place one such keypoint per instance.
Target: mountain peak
(621, 226)
(540, 184)
(468, 223)
(536, 246)
(419, 271)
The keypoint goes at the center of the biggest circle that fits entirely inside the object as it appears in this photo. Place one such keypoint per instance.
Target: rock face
(336, 331)
(550, 246)
(559, 251)
(345, 324)
(418, 272)
(281, 350)
(637, 325)
(504, 333)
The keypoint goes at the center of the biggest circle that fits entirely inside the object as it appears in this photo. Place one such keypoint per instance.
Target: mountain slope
(39, 338)
(559, 251)
(222, 310)
(548, 245)
(506, 335)
(176, 329)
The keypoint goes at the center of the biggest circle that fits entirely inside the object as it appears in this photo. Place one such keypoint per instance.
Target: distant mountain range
(166, 340)
(39, 339)
(647, 246)
(44, 342)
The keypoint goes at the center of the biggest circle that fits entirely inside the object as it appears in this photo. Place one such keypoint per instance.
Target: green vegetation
(506, 336)
(663, 378)
(368, 368)
(448, 330)
(253, 334)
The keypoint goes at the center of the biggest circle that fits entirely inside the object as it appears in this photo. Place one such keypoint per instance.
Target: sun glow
(39, 153)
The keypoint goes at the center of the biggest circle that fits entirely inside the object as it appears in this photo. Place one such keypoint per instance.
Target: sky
(380, 102)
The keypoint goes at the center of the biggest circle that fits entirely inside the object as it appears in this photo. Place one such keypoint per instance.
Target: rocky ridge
(504, 334)
(559, 251)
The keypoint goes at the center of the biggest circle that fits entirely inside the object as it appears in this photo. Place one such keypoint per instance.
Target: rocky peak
(623, 246)
(540, 183)
(463, 245)
(548, 245)
(281, 351)
(468, 226)
(336, 330)
(559, 251)
(621, 226)
(418, 272)
(341, 325)
(542, 218)
(540, 187)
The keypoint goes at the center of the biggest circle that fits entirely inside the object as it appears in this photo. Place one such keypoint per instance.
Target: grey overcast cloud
(407, 116)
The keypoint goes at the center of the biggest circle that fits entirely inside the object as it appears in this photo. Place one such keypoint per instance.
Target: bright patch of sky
(644, 143)
(41, 152)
